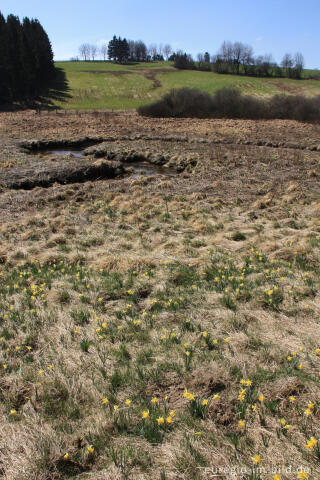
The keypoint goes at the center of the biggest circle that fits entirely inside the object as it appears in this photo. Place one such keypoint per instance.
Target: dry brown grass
(157, 238)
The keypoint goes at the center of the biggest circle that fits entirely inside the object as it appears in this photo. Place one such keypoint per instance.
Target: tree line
(238, 58)
(232, 58)
(26, 59)
(123, 50)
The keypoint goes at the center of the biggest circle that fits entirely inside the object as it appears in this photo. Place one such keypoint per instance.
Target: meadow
(106, 85)
(161, 326)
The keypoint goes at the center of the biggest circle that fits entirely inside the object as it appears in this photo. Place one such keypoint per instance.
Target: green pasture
(104, 85)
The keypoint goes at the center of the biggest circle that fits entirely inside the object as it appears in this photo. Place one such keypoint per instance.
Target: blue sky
(270, 26)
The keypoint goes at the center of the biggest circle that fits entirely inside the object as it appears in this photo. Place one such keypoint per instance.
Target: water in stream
(70, 151)
(135, 169)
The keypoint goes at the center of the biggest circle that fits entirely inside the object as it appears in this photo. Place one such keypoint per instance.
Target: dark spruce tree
(26, 60)
(43, 53)
(14, 59)
(123, 50)
(4, 81)
(112, 48)
(118, 49)
(29, 59)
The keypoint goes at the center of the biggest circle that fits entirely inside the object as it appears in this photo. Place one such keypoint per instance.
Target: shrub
(183, 102)
(295, 107)
(231, 103)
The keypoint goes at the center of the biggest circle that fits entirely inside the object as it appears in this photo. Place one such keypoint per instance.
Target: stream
(134, 169)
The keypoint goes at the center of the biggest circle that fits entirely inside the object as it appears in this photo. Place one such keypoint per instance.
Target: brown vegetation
(231, 103)
(107, 284)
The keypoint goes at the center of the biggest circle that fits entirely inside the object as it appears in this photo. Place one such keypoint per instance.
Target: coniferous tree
(29, 58)
(4, 83)
(14, 59)
(123, 53)
(118, 49)
(26, 59)
(43, 52)
(112, 47)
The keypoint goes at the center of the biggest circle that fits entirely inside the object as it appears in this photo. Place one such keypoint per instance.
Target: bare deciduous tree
(153, 50)
(298, 64)
(287, 63)
(167, 50)
(131, 44)
(104, 51)
(246, 57)
(226, 52)
(200, 58)
(93, 52)
(265, 65)
(236, 56)
(140, 51)
(84, 51)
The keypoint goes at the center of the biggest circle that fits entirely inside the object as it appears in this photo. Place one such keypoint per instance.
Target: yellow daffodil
(188, 395)
(302, 475)
(311, 443)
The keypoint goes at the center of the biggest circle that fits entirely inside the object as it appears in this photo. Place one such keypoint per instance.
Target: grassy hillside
(101, 85)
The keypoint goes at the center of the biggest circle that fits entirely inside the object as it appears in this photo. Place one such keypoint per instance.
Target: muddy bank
(45, 174)
(39, 145)
(154, 156)
(155, 152)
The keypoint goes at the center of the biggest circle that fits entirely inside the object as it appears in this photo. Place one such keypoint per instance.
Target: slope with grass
(104, 85)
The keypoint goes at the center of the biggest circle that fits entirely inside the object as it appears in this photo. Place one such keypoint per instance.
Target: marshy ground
(162, 325)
